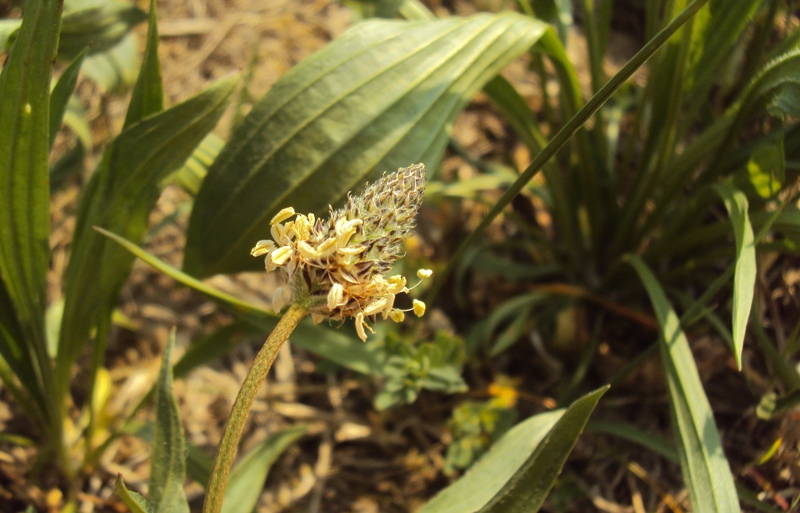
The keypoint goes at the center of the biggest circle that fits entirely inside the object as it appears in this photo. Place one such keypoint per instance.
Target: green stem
(241, 406)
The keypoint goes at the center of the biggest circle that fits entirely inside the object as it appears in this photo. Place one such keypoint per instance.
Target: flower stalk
(336, 269)
(218, 482)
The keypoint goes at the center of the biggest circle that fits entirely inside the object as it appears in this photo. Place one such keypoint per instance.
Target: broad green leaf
(98, 24)
(378, 98)
(337, 347)
(519, 470)
(25, 188)
(168, 468)
(148, 92)
(62, 93)
(120, 196)
(135, 501)
(744, 278)
(115, 70)
(706, 471)
(248, 476)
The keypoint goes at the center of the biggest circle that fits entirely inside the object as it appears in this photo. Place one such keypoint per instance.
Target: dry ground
(355, 459)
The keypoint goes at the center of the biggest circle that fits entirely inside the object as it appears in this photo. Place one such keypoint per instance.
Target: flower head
(337, 267)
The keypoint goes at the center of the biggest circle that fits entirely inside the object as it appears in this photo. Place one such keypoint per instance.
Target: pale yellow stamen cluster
(338, 264)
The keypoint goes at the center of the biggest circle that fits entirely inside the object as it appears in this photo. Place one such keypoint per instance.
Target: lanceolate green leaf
(378, 98)
(61, 94)
(744, 278)
(148, 93)
(248, 476)
(526, 491)
(168, 469)
(518, 472)
(705, 468)
(24, 180)
(120, 196)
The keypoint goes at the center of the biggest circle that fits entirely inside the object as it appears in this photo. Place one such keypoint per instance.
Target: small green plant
(412, 367)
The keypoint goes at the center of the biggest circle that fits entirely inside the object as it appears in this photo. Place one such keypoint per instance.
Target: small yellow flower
(337, 267)
(419, 308)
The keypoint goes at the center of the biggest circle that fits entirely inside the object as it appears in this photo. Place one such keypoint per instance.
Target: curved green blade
(705, 468)
(378, 98)
(25, 194)
(744, 278)
(517, 473)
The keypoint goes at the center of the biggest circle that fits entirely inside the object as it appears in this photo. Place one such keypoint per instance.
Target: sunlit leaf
(744, 278)
(706, 471)
(767, 169)
(519, 470)
(378, 98)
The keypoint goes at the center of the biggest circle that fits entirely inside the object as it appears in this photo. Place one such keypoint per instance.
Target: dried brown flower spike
(337, 267)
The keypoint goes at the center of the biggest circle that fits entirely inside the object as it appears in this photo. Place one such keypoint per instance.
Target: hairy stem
(241, 406)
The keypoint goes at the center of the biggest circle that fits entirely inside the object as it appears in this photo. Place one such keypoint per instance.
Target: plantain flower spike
(337, 267)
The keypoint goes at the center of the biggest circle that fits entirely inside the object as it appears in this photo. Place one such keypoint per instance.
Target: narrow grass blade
(706, 471)
(716, 26)
(516, 112)
(648, 440)
(248, 476)
(744, 278)
(337, 347)
(135, 501)
(148, 92)
(378, 98)
(24, 185)
(519, 470)
(62, 92)
(120, 196)
(168, 467)
(562, 137)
